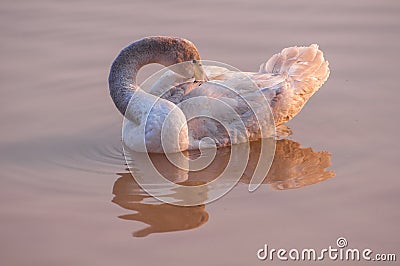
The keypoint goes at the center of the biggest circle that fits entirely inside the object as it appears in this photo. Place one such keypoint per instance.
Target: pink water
(66, 197)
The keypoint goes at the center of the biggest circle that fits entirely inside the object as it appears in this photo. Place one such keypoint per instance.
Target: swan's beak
(199, 73)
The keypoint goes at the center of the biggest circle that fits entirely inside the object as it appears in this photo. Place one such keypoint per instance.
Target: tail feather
(307, 54)
(305, 70)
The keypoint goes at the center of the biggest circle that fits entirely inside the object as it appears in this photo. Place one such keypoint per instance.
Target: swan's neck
(163, 50)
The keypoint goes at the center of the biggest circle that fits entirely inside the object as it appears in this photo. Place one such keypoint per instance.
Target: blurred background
(66, 196)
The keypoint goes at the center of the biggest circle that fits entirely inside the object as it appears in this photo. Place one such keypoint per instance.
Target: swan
(158, 120)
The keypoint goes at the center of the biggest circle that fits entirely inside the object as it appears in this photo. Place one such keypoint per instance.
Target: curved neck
(163, 50)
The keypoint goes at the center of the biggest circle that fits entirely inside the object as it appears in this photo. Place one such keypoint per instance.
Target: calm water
(66, 196)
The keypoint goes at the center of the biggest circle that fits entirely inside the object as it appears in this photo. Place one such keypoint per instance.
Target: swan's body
(286, 82)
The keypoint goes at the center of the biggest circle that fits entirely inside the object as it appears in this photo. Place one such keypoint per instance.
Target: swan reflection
(292, 167)
(160, 217)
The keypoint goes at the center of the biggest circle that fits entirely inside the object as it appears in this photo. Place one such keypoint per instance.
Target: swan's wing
(287, 81)
(168, 81)
(214, 72)
(237, 103)
(304, 70)
(172, 86)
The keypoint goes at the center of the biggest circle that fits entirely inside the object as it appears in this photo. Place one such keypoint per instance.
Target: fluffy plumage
(286, 81)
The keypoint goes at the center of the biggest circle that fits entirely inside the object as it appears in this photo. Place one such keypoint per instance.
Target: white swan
(287, 80)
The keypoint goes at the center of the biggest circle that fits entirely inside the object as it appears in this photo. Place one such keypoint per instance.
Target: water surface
(66, 196)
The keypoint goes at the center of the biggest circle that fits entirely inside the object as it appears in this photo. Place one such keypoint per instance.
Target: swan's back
(287, 80)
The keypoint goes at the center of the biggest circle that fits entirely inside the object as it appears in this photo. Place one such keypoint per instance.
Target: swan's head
(199, 73)
(157, 49)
